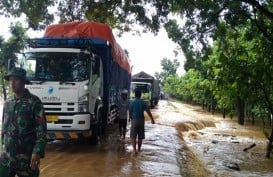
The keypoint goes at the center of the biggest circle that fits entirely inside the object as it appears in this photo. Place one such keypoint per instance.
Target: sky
(145, 51)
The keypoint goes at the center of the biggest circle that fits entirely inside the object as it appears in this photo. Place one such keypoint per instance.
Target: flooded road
(113, 158)
(223, 148)
(163, 154)
(185, 141)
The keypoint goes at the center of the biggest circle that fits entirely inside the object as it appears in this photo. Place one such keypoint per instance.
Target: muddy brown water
(163, 154)
(185, 141)
(220, 148)
(113, 157)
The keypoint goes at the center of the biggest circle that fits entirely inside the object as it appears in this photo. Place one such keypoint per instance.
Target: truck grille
(59, 107)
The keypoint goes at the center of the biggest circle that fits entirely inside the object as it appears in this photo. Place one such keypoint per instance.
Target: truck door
(95, 80)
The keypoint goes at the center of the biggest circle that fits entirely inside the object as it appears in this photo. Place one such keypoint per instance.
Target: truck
(78, 70)
(151, 93)
(146, 90)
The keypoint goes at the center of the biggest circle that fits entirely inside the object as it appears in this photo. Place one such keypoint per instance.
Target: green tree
(234, 77)
(170, 86)
(10, 49)
(118, 14)
(36, 11)
(202, 17)
(169, 68)
(240, 66)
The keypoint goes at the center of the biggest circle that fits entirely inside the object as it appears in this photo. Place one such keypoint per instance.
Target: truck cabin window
(96, 66)
(57, 66)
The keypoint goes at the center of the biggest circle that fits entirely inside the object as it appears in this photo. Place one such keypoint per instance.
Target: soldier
(23, 134)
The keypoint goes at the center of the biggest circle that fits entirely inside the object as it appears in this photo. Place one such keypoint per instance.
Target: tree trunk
(269, 144)
(241, 111)
(212, 106)
(224, 113)
(253, 118)
(209, 106)
(4, 88)
(270, 109)
(270, 140)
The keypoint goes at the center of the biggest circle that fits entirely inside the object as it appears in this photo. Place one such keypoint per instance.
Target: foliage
(169, 68)
(121, 15)
(188, 87)
(36, 11)
(10, 49)
(202, 16)
(238, 66)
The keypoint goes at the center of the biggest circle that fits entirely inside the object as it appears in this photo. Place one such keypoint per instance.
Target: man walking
(136, 113)
(23, 135)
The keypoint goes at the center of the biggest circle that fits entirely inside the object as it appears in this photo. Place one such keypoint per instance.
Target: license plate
(52, 118)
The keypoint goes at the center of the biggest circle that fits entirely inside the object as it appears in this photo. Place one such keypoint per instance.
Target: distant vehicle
(154, 93)
(78, 71)
(145, 88)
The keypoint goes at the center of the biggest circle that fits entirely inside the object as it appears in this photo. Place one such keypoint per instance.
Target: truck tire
(93, 140)
(100, 123)
(96, 129)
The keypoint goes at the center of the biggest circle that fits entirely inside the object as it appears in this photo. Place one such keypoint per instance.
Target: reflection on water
(77, 159)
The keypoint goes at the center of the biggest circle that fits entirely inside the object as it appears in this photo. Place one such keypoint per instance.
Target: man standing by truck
(136, 113)
(23, 135)
(123, 106)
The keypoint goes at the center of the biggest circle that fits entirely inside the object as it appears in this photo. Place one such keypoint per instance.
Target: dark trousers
(11, 172)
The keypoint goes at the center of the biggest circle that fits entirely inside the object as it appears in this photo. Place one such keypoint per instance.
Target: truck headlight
(83, 103)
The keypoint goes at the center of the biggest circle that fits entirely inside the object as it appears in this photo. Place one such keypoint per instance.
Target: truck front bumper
(75, 122)
(68, 135)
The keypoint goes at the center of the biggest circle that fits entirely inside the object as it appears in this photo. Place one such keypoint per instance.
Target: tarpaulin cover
(89, 30)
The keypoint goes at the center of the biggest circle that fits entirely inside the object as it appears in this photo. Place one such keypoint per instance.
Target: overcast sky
(145, 51)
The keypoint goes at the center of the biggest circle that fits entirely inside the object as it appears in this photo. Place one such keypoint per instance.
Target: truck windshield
(57, 66)
(145, 88)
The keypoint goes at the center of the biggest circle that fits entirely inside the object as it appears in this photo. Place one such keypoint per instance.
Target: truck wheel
(100, 123)
(93, 140)
(96, 129)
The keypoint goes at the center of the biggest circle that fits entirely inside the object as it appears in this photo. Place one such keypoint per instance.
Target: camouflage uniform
(23, 134)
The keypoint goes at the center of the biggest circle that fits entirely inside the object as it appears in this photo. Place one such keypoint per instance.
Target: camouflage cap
(17, 72)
